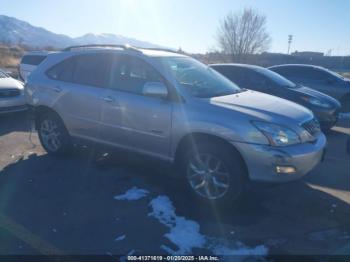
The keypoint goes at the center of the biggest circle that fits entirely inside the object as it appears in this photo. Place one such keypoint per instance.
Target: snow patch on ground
(239, 250)
(185, 234)
(344, 116)
(133, 194)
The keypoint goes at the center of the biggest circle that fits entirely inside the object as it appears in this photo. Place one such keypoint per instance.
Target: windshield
(276, 78)
(336, 75)
(198, 79)
(3, 75)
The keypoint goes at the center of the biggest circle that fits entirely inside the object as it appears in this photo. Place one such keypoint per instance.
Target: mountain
(16, 32)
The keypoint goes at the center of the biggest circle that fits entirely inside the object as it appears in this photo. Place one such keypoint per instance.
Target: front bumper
(13, 104)
(262, 160)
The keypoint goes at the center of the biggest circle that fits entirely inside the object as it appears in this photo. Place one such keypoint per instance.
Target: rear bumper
(262, 160)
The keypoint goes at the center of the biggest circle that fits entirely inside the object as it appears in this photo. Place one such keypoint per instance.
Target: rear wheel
(53, 135)
(214, 172)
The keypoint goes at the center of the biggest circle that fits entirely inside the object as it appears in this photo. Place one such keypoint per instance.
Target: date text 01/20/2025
(173, 258)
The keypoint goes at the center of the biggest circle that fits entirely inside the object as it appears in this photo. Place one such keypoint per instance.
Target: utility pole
(290, 40)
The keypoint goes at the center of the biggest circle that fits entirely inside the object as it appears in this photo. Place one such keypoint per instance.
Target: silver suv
(172, 107)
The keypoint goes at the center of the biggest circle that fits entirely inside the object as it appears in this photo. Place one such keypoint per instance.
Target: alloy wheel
(50, 135)
(208, 176)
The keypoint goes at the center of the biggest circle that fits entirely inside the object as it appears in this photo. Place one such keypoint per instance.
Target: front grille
(5, 93)
(312, 126)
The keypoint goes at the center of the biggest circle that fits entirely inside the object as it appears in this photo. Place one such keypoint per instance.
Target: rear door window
(92, 70)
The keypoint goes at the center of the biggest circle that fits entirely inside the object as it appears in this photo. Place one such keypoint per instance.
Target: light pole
(290, 40)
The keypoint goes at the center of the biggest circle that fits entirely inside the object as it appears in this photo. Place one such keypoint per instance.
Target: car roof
(38, 53)
(237, 65)
(160, 53)
(151, 52)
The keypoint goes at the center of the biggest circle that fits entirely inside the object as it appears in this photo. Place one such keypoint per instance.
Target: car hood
(10, 83)
(303, 90)
(264, 107)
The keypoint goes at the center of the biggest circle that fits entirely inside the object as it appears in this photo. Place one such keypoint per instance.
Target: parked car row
(325, 108)
(320, 79)
(169, 106)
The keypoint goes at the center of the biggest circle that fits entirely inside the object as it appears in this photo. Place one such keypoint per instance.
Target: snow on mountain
(111, 39)
(14, 32)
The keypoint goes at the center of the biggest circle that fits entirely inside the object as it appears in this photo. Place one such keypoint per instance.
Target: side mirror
(155, 89)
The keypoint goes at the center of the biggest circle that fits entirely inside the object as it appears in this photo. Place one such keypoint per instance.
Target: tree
(243, 33)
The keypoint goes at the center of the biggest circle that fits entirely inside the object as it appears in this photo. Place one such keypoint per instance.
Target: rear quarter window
(62, 71)
(33, 59)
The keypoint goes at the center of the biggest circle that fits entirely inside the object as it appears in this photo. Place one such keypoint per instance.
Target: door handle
(108, 99)
(57, 89)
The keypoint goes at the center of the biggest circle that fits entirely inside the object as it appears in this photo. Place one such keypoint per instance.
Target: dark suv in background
(318, 78)
(263, 80)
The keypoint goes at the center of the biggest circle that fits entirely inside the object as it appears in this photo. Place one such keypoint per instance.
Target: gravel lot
(67, 205)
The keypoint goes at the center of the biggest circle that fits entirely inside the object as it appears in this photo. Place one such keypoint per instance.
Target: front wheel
(214, 172)
(53, 134)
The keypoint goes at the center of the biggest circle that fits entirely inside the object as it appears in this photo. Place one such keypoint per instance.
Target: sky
(317, 25)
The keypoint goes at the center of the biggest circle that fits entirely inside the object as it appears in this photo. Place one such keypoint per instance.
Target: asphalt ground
(63, 206)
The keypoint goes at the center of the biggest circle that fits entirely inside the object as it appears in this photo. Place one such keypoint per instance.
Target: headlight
(317, 102)
(278, 135)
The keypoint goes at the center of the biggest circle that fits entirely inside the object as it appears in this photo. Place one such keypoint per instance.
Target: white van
(29, 63)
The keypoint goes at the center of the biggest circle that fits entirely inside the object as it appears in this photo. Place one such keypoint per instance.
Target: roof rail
(160, 49)
(125, 47)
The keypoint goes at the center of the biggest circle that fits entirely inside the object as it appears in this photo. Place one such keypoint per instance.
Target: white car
(29, 63)
(11, 94)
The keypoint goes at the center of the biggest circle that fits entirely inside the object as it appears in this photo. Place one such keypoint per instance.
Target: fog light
(285, 169)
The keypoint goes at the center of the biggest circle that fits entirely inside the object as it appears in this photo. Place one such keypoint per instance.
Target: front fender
(229, 130)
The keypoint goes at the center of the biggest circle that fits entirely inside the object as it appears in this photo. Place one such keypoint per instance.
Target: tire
(53, 135)
(231, 165)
